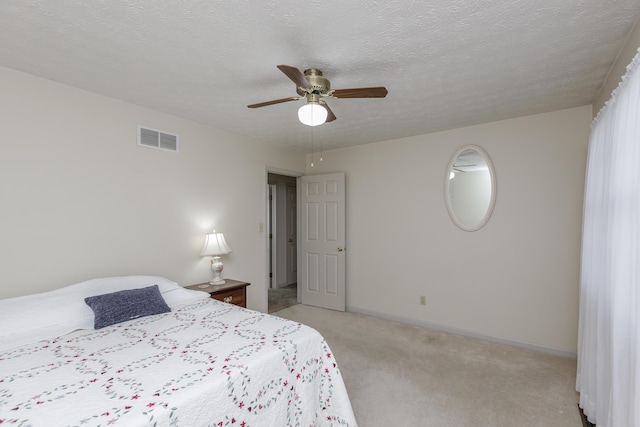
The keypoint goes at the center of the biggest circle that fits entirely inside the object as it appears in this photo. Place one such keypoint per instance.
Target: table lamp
(214, 246)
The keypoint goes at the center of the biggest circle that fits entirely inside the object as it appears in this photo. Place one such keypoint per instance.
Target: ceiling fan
(312, 86)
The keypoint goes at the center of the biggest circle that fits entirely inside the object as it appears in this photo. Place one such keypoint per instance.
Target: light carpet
(404, 375)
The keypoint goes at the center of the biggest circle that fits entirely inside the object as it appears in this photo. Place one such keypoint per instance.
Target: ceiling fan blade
(275, 101)
(295, 75)
(362, 92)
(330, 116)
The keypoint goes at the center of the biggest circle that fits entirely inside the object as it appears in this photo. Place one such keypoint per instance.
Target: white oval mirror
(470, 188)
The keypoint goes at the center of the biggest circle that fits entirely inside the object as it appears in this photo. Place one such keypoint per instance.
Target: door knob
(341, 249)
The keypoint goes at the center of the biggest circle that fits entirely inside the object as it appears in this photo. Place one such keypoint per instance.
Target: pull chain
(311, 145)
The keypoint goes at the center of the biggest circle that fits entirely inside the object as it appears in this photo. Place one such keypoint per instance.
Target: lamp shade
(312, 114)
(214, 244)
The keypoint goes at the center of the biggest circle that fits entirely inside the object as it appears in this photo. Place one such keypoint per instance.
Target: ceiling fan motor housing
(319, 85)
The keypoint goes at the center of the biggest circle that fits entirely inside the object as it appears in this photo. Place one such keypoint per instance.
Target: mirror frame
(447, 194)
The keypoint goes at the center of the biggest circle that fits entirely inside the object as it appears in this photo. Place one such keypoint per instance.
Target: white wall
(80, 200)
(516, 279)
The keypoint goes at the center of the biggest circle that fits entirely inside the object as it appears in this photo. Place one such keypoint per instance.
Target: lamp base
(216, 267)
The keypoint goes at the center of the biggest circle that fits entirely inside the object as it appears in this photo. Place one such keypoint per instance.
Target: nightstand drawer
(232, 297)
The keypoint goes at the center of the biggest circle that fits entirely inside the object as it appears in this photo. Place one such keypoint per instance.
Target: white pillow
(50, 314)
(180, 296)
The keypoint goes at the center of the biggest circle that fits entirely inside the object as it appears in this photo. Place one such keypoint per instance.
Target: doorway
(283, 245)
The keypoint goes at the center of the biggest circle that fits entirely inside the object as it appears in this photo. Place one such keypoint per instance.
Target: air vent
(152, 138)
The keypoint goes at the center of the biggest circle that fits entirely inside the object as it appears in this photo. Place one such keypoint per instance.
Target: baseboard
(464, 332)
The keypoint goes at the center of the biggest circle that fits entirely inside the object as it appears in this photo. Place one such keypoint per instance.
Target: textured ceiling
(446, 64)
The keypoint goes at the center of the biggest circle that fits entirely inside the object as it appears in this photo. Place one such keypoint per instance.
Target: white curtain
(608, 376)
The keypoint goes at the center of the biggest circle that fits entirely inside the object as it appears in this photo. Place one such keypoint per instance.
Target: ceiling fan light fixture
(312, 114)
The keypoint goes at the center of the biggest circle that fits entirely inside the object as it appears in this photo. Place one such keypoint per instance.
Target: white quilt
(205, 364)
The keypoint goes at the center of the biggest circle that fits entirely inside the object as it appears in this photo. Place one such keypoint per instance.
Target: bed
(199, 363)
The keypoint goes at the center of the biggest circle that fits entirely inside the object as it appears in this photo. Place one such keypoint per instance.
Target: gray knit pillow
(129, 304)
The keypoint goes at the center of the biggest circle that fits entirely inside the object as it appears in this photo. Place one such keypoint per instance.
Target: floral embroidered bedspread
(205, 364)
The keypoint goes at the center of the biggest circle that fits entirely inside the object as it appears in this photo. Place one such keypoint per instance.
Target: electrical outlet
(423, 300)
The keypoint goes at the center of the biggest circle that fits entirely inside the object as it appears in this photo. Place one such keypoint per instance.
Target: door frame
(267, 243)
(272, 273)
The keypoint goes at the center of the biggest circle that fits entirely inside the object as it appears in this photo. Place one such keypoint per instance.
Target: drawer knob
(228, 299)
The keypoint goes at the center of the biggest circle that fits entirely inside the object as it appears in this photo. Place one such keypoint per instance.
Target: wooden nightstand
(233, 291)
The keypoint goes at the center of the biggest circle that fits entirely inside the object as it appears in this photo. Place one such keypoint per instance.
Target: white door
(322, 241)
